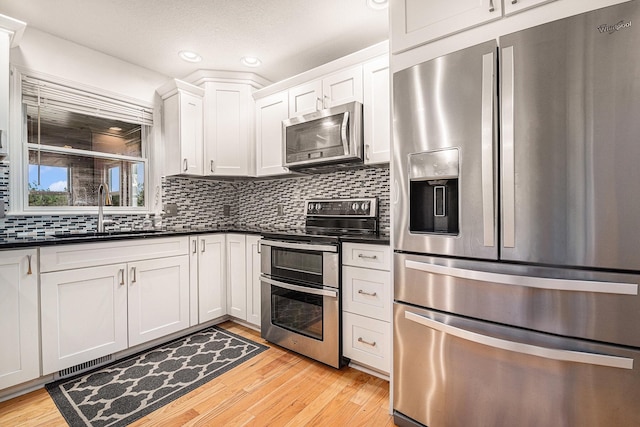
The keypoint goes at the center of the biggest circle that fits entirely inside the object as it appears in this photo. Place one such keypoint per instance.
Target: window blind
(45, 93)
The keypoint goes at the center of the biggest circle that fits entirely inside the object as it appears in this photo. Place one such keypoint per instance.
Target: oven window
(297, 312)
(299, 266)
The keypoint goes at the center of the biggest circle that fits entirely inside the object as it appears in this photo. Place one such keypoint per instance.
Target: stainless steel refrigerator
(516, 208)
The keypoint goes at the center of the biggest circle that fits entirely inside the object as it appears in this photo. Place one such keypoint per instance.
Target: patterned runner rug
(118, 394)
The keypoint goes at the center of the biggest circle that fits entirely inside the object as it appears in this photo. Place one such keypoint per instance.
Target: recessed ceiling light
(378, 4)
(190, 56)
(250, 61)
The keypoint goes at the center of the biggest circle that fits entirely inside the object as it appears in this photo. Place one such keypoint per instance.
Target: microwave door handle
(343, 132)
(301, 289)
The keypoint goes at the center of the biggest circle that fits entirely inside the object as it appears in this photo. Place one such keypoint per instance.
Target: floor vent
(83, 367)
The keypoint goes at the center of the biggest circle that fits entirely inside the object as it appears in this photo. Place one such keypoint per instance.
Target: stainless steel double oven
(300, 280)
(301, 297)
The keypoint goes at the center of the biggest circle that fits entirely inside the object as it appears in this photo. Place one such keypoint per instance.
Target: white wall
(53, 56)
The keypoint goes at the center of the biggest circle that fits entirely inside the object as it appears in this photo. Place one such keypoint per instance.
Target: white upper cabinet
(377, 115)
(11, 31)
(182, 128)
(270, 112)
(415, 22)
(228, 129)
(514, 6)
(335, 89)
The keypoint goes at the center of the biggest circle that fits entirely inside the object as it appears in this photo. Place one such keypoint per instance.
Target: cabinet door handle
(195, 246)
(491, 6)
(29, 272)
(133, 274)
(367, 152)
(326, 101)
(121, 274)
(203, 245)
(1, 135)
(185, 165)
(212, 166)
(370, 294)
(318, 104)
(367, 256)
(362, 341)
(514, 1)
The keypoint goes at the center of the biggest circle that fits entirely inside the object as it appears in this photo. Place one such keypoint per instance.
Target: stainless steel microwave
(325, 137)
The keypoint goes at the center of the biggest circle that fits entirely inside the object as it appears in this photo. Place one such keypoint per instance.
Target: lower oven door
(303, 319)
(454, 371)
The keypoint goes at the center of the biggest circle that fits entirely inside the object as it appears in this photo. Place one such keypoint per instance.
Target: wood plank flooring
(275, 388)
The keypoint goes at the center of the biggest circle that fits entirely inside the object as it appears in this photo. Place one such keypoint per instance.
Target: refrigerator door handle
(508, 162)
(529, 349)
(488, 90)
(527, 281)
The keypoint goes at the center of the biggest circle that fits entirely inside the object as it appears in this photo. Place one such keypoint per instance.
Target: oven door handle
(301, 246)
(302, 289)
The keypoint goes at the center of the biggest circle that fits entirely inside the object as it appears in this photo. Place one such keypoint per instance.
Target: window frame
(19, 152)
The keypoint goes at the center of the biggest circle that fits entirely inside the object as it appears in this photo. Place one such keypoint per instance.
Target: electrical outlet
(170, 209)
(280, 210)
(226, 210)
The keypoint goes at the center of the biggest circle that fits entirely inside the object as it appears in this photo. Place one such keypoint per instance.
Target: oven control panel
(365, 207)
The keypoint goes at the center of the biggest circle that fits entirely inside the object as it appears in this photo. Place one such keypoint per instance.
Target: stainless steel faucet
(104, 199)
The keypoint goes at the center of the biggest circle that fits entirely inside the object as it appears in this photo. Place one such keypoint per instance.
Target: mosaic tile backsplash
(223, 204)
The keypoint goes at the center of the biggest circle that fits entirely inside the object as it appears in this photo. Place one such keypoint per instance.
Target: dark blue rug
(118, 394)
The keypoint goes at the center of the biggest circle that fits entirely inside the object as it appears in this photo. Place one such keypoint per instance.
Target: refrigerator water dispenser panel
(433, 192)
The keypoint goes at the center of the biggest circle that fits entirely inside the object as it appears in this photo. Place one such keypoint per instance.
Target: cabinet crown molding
(221, 76)
(13, 26)
(173, 86)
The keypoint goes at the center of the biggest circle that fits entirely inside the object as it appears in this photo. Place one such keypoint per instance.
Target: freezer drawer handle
(527, 281)
(532, 350)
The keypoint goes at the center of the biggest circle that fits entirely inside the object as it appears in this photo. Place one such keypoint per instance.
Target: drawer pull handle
(29, 272)
(362, 341)
(367, 256)
(361, 292)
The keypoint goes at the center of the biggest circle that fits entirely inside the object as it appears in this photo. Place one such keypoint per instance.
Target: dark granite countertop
(39, 239)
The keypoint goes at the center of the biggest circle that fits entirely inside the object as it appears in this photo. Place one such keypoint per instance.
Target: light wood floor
(275, 388)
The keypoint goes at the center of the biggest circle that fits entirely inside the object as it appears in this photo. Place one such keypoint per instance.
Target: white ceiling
(289, 36)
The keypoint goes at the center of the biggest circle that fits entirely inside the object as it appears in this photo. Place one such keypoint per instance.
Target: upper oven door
(325, 136)
(316, 264)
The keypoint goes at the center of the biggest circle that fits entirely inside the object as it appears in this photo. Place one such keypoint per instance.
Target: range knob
(355, 206)
(310, 207)
(318, 206)
(365, 206)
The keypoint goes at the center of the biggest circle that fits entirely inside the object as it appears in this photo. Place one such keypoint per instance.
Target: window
(74, 141)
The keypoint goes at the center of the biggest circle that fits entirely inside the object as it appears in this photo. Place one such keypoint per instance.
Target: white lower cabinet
(237, 275)
(139, 293)
(83, 315)
(253, 280)
(366, 305)
(20, 354)
(208, 277)
(158, 294)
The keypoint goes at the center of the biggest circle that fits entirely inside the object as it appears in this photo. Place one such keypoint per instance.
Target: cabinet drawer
(368, 256)
(367, 341)
(65, 257)
(367, 292)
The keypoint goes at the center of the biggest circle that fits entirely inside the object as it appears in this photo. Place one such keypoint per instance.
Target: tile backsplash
(202, 203)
